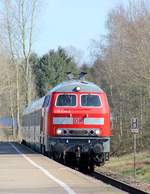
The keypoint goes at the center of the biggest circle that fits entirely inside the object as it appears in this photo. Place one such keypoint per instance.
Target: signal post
(135, 131)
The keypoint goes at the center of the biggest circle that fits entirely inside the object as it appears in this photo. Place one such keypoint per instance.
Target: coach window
(46, 101)
(90, 100)
(66, 100)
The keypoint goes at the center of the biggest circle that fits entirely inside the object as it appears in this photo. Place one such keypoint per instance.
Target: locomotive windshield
(90, 100)
(66, 100)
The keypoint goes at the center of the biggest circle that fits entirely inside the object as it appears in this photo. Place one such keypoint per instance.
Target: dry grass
(124, 165)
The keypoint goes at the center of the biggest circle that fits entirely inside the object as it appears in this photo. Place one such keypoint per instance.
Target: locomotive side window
(66, 100)
(90, 100)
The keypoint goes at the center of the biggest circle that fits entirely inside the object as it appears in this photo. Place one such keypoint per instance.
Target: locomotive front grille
(77, 131)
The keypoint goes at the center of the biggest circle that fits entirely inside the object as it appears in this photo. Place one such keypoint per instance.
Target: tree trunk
(17, 100)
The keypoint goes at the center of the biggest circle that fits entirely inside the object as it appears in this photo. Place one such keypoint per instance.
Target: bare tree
(26, 17)
(123, 67)
(7, 89)
(18, 19)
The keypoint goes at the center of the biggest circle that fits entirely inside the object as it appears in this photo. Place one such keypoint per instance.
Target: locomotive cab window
(66, 100)
(46, 101)
(90, 100)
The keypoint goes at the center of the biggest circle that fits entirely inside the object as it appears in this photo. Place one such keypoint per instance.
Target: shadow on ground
(7, 148)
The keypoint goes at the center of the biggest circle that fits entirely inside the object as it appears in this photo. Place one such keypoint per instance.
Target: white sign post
(135, 131)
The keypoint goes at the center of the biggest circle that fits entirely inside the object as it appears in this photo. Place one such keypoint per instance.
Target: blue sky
(71, 22)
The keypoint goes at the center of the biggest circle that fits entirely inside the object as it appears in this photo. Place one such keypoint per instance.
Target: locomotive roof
(69, 86)
(66, 86)
(34, 106)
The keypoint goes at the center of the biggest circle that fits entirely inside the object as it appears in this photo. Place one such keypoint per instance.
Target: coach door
(45, 118)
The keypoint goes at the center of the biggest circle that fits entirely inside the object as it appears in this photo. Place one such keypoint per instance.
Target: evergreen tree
(51, 69)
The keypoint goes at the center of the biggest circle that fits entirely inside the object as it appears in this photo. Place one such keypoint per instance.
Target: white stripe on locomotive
(87, 121)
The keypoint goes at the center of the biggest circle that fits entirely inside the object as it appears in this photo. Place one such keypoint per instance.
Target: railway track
(116, 183)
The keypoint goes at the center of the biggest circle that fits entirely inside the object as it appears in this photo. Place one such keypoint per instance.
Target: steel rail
(116, 183)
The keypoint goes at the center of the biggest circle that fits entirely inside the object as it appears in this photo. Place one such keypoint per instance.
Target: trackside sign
(134, 125)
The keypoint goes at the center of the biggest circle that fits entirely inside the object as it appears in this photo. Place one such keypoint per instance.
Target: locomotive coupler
(64, 156)
(78, 152)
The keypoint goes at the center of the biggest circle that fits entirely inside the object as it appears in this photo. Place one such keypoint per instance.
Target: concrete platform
(23, 171)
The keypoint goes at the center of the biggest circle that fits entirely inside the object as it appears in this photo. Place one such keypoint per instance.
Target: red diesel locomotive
(71, 124)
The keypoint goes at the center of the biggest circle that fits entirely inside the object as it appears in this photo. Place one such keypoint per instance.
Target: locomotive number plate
(78, 121)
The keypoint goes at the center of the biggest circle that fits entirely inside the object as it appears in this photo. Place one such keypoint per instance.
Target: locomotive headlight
(98, 131)
(59, 131)
(78, 88)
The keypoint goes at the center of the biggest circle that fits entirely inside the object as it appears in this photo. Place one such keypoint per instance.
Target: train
(70, 124)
